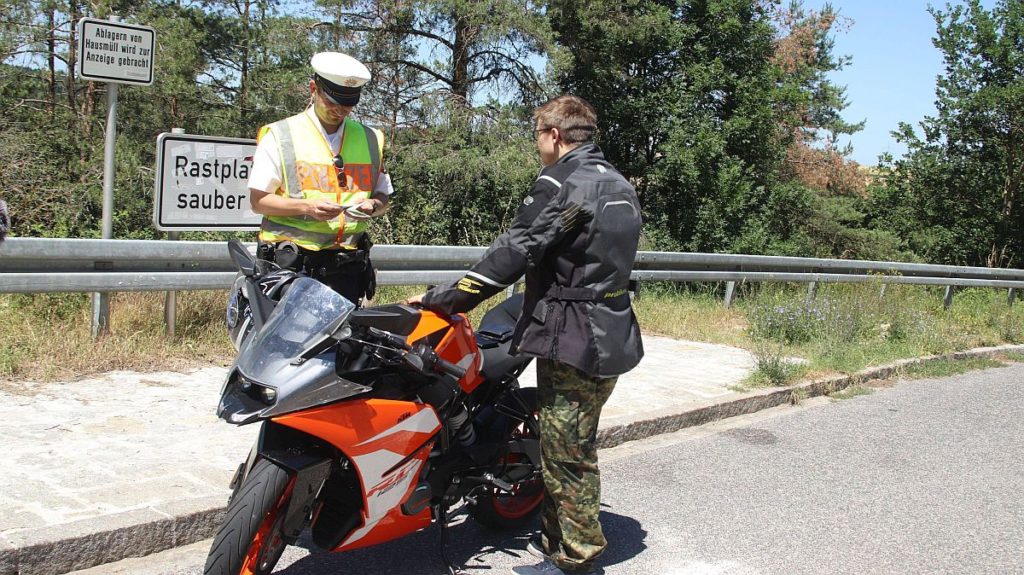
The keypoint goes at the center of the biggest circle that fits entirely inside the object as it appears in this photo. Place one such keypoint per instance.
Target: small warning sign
(115, 52)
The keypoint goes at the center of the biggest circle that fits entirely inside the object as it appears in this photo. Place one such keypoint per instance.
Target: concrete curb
(87, 543)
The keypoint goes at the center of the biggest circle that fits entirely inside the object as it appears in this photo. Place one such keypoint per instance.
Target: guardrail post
(100, 314)
(171, 302)
(881, 293)
(101, 305)
(730, 294)
(171, 299)
(812, 291)
(948, 300)
(1011, 297)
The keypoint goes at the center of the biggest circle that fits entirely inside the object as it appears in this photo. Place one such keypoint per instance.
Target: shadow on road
(476, 549)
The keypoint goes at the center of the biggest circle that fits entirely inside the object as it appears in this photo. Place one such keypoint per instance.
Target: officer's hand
(416, 300)
(367, 206)
(322, 211)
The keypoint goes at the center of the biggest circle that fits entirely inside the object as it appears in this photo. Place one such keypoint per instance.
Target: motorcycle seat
(498, 324)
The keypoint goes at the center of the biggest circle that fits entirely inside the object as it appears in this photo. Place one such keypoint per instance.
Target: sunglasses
(339, 166)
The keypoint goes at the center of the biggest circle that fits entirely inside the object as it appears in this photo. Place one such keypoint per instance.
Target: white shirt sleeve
(266, 165)
(384, 185)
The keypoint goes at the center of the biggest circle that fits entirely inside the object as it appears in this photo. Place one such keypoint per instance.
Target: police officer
(318, 177)
(575, 237)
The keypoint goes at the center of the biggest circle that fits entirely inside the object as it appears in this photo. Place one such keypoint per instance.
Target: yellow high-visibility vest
(308, 172)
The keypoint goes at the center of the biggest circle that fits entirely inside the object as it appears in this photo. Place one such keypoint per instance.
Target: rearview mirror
(241, 256)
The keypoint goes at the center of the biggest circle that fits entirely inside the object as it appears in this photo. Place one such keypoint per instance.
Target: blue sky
(892, 76)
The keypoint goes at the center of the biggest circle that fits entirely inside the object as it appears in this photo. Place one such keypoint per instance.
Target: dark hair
(574, 117)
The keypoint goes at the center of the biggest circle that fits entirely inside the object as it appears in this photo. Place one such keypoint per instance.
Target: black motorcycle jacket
(575, 237)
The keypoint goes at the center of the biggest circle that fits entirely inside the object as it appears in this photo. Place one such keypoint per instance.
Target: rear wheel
(250, 541)
(502, 510)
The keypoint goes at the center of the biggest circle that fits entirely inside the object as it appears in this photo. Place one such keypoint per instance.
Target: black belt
(338, 257)
(586, 294)
(316, 262)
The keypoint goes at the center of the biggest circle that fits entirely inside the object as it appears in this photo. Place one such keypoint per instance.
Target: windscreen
(307, 314)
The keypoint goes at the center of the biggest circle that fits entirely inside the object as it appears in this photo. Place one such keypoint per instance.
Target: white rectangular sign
(201, 183)
(115, 52)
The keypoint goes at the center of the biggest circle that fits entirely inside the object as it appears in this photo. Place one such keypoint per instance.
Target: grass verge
(851, 391)
(1014, 357)
(848, 328)
(946, 367)
(47, 337)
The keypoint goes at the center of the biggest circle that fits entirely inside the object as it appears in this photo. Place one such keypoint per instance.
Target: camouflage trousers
(570, 404)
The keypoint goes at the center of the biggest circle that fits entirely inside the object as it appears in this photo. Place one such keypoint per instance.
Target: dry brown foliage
(809, 161)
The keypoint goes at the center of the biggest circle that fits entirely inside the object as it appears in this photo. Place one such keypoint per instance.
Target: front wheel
(501, 510)
(250, 541)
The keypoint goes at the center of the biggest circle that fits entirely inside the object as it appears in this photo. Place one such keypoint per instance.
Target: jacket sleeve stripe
(487, 280)
(550, 179)
(619, 202)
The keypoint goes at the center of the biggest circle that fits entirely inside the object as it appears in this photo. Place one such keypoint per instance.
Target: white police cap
(340, 76)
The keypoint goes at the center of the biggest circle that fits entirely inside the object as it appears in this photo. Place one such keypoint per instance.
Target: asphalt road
(923, 477)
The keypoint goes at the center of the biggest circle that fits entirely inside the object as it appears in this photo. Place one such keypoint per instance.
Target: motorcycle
(375, 422)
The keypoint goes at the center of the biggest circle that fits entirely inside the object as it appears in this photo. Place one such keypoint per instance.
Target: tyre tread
(260, 490)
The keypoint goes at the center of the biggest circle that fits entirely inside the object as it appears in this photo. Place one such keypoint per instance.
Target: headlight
(268, 395)
(256, 391)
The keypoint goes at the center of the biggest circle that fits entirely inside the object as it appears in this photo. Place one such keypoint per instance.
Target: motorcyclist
(575, 237)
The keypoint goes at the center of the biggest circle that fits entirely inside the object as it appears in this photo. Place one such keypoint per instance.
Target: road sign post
(113, 52)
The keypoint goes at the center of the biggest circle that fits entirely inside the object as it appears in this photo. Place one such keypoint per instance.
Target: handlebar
(425, 353)
(449, 368)
(390, 338)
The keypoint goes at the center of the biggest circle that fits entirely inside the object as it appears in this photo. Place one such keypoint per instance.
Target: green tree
(49, 122)
(686, 98)
(454, 189)
(460, 47)
(453, 84)
(219, 70)
(817, 207)
(956, 194)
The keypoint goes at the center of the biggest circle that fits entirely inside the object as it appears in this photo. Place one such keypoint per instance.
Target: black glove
(574, 217)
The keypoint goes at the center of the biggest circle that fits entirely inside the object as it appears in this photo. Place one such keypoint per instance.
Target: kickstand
(442, 521)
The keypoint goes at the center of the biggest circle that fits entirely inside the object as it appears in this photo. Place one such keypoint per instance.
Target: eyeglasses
(539, 130)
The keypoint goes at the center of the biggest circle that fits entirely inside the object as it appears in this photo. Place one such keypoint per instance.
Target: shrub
(790, 322)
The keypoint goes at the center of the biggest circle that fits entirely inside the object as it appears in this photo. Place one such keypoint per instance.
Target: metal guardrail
(39, 265)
